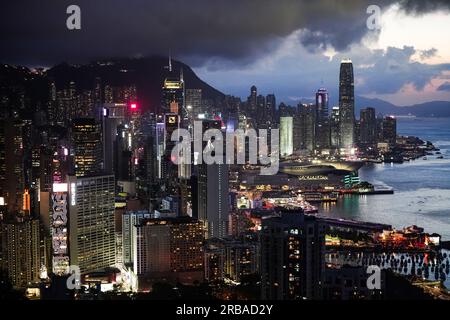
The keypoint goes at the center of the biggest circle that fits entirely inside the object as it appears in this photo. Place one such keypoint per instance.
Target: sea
(421, 187)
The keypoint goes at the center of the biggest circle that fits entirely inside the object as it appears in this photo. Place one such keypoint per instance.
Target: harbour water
(422, 187)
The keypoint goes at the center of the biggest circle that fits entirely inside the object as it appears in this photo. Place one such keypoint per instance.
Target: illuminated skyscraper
(169, 168)
(310, 127)
(270, 108)
(91, 222)
(334, 127)
(87, 146)
(194, 102)
(322, 120)
(173, 92)
(252, 102)
(286, 136)
(211, 193)
(21, 251)
(368, 127)
(12, 165)
(390, 130)
(346, 105)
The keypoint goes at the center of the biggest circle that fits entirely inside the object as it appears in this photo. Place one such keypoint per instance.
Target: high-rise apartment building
(292, 256)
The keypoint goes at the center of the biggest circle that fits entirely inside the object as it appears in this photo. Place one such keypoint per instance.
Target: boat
(440, 157)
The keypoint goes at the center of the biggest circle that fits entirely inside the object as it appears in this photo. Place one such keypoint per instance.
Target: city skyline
(256, 159)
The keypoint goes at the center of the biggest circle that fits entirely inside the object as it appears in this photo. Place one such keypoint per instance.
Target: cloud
(444, 87)
(424, 6)
(426, 54)
(199, 31)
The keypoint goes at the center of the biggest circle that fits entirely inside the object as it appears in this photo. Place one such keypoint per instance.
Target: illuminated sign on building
(312, 178)
(59, 227)
(73, 194)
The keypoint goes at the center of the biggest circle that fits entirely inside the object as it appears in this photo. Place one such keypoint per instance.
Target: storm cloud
(236, 32)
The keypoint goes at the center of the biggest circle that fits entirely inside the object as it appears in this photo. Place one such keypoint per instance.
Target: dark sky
(34, 32)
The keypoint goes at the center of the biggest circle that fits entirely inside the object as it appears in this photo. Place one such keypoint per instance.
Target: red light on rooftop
(133, 106)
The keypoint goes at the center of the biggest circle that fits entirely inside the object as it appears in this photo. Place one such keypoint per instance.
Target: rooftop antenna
(170, 61)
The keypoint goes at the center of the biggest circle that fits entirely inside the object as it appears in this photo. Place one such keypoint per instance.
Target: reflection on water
(423, 265)
(422, 187)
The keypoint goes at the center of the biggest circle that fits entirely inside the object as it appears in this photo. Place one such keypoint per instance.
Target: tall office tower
(170, 248)
(123, 157)
(271, 105)
(129, 220)
(194, 102)
(98, 95)
(211, 193)
(159, 135)
(335, 128)
(261, 116)
(87, 146)
(12, 165)
(368, 127)
(170, 170)
(21, 251)
(322, 120)
(299, 128)
(292, 257)
(231, 259)
(286, 136)
(310, 127)
(173, 93)
(91, 222)
(111, 116)
(52, 105)
(380, 119)
(346, 105)
(252, 102)
(67, 101)
(390, 130)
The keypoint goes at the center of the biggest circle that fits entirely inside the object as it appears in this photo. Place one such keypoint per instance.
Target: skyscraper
(173, 92)
(292, 257)
(129, 220)
(12, 166)
(252, 102)
(310, 127)
(368, 126)
(21, 251)
(346, 105)
(322, 120)
(87, 146)
(194, 102)
(334, 127)
(286, 136)
(211, 193)
(271, 106)
(91, 222)
(390, 130)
